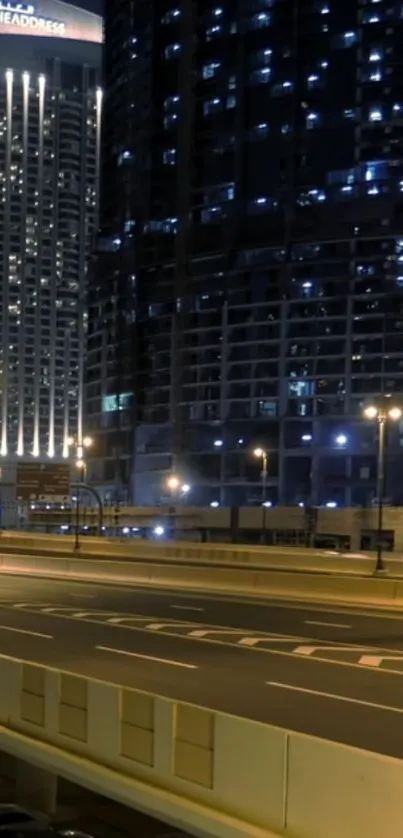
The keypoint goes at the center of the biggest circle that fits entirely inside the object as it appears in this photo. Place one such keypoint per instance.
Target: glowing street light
(175, 485)
(80, 444)
(261, 454)
(383, 414)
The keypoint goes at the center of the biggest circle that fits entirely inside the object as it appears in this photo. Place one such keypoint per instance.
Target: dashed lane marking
(377, 658)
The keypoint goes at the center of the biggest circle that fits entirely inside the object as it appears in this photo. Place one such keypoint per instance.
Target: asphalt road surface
(330, 672)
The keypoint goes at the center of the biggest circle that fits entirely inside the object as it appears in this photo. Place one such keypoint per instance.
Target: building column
(35, 788)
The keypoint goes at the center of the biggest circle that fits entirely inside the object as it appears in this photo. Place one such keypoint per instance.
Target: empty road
(330, 672)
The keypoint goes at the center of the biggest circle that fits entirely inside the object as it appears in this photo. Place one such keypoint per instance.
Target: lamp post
(261, 454)
(383, 415)
(80, 446)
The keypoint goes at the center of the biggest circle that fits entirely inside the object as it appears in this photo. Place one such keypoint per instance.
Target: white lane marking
(332, 625)
(25, 631)
(344, 698)
(206, 632)
(376, 660)
(309, 650)
(117, 620)
(146, 657)
(253, 641)
(186, 608)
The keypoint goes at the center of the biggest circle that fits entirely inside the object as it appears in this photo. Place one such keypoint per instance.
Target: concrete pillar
(36, 788)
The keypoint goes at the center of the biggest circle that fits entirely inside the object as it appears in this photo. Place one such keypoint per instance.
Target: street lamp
(175, 485)
(80, 446)
(261, 454)
(383, 415)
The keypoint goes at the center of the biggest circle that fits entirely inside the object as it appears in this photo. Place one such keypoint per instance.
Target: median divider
(243, 556)
(237, 581)
(203, 771)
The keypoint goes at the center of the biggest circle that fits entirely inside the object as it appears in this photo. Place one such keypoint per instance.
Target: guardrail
(230, 580)
(281, 558)
(208, 772)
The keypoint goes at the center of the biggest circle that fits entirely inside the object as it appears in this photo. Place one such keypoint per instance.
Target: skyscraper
(50, 105)
(248, 284)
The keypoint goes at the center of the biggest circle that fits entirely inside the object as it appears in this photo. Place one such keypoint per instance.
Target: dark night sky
(90, 5)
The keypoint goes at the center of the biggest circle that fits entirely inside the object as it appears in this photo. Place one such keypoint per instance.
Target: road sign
(43, 481)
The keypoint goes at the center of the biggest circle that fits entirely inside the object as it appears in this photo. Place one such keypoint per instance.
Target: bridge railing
(208, 772)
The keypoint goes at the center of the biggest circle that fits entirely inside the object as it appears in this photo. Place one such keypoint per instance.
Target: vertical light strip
(5, 322)
(22, 334)
(53, 282)
(37, 374)
(67, 362)
(98, 151)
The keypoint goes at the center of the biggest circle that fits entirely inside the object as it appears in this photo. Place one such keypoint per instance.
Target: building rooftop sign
(51, 19)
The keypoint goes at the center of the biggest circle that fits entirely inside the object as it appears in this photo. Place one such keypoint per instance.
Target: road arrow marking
(156, 626)
(309, 650)
(118, 620)
(376, 660)
(253, 641)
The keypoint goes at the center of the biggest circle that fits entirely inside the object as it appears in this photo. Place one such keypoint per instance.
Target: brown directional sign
(43, 481)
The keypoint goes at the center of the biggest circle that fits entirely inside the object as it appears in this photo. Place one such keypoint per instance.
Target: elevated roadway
(329, 672)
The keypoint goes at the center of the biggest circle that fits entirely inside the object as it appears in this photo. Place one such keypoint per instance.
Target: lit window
(325, 10)
(286, 128)
(375, 76)
(259, 21)
(210, 214)
(170, 16)
(375, 115)
(171, 51)
(375, 55)
(349, 39)
(312, 81)
(312, 120)
(230, 102)
(170, 102)
(281, 88)
(211, 106)
(210, 70)
(261, 205)
(259, 131)
(169, 121)
(349, 113)
(125, 157)
(212, 32)
(217, 12)
(169, 157)
(260, 76)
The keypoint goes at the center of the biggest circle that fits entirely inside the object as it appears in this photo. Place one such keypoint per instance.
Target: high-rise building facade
(247, 288)
(50, 107)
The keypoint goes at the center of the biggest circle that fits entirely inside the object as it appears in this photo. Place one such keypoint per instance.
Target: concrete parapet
(201, 770)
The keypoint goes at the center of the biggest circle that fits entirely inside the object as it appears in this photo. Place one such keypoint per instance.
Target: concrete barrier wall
(205, 771)
(237, 581)
(282, 558)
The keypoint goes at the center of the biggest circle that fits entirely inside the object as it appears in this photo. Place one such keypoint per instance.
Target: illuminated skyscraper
(248, 282)
(50, 111)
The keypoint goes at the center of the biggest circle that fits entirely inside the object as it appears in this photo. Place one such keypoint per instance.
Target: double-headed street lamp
(80, 446)
(176, 487)
(383, 414)
(262, 455)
